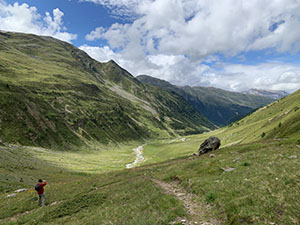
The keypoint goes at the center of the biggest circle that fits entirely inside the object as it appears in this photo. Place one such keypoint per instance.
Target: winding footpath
(197, 212)
(139, 156)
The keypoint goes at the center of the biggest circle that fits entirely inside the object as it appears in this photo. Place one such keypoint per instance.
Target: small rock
(183, 220)
(11, 195)
(53, 203)
(298, 146)
(276, 178)
(228, 169)
(20, 190)
(212, 155)
(292, 157)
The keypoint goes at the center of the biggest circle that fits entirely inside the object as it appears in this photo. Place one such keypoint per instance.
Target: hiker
(40, 189)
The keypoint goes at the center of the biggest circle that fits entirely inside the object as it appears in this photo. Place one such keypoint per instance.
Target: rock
(212, 155)
(228, 169)
(53, 203)
(20, 190)
(298, 146)
(210, 144)
(292, 157)
(11, 195)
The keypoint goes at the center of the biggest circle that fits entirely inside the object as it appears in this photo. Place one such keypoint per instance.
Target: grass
(262, 189)
(65, 100)
(89, 161)
(93, 187)
(119, 197)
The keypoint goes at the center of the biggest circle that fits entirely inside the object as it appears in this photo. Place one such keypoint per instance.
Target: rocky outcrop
(210, 144)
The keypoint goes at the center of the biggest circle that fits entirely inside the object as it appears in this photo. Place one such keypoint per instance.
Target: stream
(139, 156)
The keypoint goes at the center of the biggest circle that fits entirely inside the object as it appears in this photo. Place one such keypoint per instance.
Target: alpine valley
(116, 149)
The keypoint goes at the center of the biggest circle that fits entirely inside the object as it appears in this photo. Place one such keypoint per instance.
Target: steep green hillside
(252, 179)
(219, 106)
(54, 95)
(278, 121)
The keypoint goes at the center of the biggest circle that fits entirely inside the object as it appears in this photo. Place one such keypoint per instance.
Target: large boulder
(210, 144)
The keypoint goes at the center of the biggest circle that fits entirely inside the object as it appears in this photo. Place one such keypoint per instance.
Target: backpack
(37, 187)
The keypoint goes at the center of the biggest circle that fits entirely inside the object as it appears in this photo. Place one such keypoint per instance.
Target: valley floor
(261, 186)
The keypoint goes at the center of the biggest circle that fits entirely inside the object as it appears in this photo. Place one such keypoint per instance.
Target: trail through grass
(93, 187)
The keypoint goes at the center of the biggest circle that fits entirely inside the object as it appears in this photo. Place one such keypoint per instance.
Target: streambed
(139, 156)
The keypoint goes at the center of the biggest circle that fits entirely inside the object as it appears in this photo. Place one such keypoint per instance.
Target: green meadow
(254, 178)
(93, 186)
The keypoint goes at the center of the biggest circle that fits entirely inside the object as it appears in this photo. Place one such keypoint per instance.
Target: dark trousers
(42, 199)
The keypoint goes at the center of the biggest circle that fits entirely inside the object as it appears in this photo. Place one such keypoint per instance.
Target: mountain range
(219, 106)
(54, 95)
(267, 93)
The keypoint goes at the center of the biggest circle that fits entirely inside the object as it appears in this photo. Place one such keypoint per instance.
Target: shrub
(210, 198)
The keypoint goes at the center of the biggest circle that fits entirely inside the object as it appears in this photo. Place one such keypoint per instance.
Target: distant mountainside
(279, 120)
(267, 93)
(219, 106)
(54, 95)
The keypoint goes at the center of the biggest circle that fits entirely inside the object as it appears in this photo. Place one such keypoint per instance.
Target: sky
(230, 44)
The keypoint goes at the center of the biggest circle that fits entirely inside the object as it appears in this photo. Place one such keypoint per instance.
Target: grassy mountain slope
(263, 187)
(219, 106)
(278, 121)
(54, 95)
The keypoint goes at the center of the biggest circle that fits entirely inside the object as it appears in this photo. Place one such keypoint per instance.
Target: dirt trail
(196, 211)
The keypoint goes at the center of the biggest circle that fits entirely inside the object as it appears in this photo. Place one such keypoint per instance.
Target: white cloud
(270, 75)
(95, 34)
(26, 19)
(201, 28)
(181, 71)
(120, 8)
(171, 39)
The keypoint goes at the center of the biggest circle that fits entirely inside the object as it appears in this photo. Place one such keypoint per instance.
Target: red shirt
(41, 189)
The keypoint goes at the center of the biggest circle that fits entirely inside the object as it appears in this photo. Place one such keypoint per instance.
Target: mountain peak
(267, 93)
